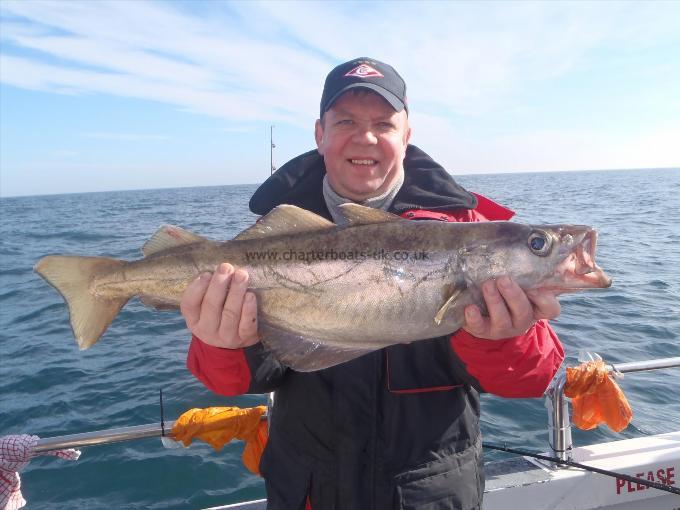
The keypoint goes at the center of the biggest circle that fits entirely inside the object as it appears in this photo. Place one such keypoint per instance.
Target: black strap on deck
(570, 463)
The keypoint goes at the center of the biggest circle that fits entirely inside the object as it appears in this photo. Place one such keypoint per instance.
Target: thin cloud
(264, 61)
(127, 137)
(239, 129)
(64, 154)
(176, 59)
(547, 150)
(494, 86)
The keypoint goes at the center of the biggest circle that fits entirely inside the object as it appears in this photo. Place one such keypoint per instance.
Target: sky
(99, 96)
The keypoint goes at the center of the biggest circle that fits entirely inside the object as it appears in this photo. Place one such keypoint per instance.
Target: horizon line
(521, 172)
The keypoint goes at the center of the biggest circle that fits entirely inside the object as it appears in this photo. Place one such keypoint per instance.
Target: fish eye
(540, 243)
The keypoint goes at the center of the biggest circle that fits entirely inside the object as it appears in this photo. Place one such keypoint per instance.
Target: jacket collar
(299, 182)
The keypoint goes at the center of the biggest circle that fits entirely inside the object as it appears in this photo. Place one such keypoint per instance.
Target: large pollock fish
(329, 293)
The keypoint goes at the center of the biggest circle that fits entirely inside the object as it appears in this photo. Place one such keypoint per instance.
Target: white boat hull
(529, 484)
(541, 486)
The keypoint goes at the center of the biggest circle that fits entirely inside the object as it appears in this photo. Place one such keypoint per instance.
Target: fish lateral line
(368, 303)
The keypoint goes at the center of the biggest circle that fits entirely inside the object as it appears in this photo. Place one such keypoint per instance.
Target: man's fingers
(546, 305)
(512, 311)
(499, 316)
(521, 310)
(475, 324)
(215, 296)
(247, 328)
(192, 297)
(233, 305)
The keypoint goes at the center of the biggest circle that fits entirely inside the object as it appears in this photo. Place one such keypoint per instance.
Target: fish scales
(368, 299)
(328, 293)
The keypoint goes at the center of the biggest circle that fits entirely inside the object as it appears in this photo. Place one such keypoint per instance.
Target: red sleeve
(491, 210)
(517, 367)
(224, 371)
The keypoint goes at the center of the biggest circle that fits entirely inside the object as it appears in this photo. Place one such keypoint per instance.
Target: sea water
(48, 387)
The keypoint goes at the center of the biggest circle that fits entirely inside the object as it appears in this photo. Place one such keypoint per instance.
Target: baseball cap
(368, 73)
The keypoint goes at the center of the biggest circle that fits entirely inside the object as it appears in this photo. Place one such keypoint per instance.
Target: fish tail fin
(71, 276)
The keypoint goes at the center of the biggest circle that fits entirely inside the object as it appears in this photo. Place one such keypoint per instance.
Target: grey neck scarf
(334, 201)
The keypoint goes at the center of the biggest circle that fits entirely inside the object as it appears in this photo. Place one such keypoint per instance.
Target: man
(397, 428)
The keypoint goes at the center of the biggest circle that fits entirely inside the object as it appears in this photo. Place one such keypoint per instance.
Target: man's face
(363, 143)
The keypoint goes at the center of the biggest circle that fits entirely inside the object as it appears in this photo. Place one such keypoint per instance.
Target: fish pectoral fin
(285, 219)
(355, 214)
(159, 304)
(455, 294)
(304, 354)
(170, 236)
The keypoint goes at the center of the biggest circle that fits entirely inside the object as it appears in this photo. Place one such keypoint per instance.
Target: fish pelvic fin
(455, 293)
(304, 354)
(71, 276)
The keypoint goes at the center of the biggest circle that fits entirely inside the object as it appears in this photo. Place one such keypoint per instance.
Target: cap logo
(364, 71)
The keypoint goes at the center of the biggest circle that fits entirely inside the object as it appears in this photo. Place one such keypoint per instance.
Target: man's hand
(219, 311)
(511, 310)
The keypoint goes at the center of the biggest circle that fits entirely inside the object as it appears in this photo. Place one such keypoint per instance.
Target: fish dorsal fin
(285, 219)
(355, 214)
(169, 236)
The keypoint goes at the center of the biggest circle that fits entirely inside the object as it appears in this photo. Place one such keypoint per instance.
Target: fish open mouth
(579, 270)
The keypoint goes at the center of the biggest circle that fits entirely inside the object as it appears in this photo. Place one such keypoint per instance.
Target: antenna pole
(271, 149)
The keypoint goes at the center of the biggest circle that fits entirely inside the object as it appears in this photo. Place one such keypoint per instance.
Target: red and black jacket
(397, 428)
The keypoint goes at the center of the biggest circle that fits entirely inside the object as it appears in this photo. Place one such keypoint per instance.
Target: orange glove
(219, 425)
(596, 398)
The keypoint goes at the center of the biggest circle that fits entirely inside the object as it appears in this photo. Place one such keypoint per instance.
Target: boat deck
(522, 482)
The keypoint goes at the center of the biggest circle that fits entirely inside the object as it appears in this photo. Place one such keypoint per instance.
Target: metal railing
(558, 418)
(116, 435)
(559, 421)
(102, 437)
